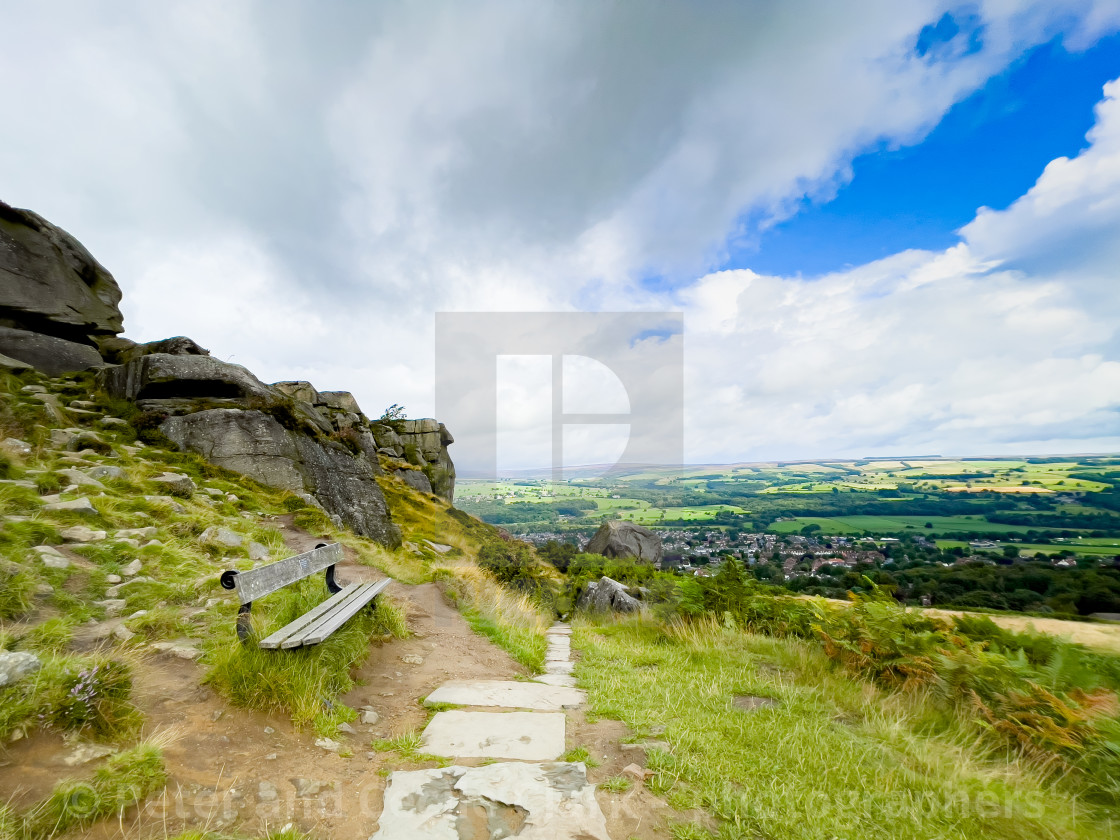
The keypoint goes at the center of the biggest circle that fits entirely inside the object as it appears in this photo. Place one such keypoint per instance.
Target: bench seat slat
(273, 641)
(331, 622)
(355, 595)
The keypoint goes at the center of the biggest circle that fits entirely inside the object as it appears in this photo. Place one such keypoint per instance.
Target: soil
(234, 769)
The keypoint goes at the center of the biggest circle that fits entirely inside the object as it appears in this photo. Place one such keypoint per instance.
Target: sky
(893, 227)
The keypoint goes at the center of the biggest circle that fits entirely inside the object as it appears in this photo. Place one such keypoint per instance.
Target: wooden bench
(314, 626)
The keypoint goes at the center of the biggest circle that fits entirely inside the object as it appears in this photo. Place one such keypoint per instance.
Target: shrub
(515, 565)
(89, 695)
(93, 699)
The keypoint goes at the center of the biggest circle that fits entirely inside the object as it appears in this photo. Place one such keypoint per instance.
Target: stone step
(524, 736)
(507, 694)
(551, 801)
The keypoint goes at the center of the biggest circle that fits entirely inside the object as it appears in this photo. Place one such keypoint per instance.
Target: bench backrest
(256, 583)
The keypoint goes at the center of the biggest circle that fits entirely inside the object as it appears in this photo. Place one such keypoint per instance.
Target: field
(894, 524)
(957, 498)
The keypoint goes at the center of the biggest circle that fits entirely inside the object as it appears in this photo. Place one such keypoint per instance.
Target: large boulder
(49, 283)
(257, 445)
(625, 539)
(340, 401)
(422, 443)
(416, 480)
(607, 595)
(298, 390)
(48, 353)
(178, 345)
(162, 376)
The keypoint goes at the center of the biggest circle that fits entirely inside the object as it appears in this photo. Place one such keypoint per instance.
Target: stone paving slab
(551, 801)
(508, 694)
(553, 667)
(556, 679)
(524, 736)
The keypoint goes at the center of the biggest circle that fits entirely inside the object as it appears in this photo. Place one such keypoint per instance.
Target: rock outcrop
(257, 445)
(421, 445)
(56, 300)
(59, 313)
(607, 595)
(625, 539)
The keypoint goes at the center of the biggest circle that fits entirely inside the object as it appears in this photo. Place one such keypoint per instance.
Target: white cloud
(300, 189)
(1005, 342)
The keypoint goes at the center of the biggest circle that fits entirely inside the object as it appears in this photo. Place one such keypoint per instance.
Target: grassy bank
(832, 757)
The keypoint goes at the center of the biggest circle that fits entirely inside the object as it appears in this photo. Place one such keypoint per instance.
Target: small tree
(393, 412)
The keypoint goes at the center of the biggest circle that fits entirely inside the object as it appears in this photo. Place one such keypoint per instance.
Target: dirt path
(230, 768)
(220, 755)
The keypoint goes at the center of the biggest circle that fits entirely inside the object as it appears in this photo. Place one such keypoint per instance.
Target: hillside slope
(112, 552)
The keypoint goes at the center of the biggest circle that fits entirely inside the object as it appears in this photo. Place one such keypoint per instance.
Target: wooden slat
(328, 624)
(273, 641)
(338, 605)
(256, 583)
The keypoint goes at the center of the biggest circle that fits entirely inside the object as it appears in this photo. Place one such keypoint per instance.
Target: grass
(581, 754)
(304, 682)
(123, 781)
(89, 695)
(835, 758)
(896, 524)
(510, 620)
(617, 784)
(407, 746)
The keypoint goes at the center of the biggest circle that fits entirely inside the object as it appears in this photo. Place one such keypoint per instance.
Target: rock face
(162, 376)
(607, 595)
(625, 539)
(56, 300)
(421, 443)
(48, 353)
(257, 445)
(288, 435)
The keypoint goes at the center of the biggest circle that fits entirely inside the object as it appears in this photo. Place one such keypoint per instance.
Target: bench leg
(332, 584)
(245, 623)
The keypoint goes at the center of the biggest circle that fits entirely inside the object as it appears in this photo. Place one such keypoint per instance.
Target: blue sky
(986, 151)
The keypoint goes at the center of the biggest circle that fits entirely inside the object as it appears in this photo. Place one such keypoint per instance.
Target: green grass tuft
(304, 682)
(617, 784)
(123, 781)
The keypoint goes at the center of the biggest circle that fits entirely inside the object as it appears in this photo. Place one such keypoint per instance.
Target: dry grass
(1105, 637)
